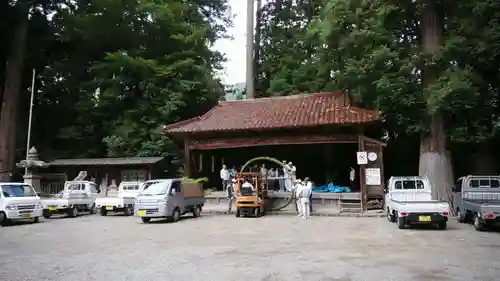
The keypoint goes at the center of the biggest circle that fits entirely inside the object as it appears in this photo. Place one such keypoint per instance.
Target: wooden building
(103, 171)
(305, 128)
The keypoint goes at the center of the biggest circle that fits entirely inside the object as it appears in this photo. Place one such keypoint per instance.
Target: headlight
(161, 201)
(39, 206)
(10, 207)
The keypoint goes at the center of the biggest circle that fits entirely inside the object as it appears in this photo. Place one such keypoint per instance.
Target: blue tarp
(331, 188)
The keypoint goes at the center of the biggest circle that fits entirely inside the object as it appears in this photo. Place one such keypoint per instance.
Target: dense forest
(110, 73)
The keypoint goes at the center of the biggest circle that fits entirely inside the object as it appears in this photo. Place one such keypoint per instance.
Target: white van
(18, 201)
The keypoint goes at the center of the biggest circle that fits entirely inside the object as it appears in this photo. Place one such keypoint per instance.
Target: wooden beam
(381, 143)
(264, 141)
(362, 176)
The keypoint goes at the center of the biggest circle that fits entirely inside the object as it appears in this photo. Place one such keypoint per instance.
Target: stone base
(322, 203)
(34, 181)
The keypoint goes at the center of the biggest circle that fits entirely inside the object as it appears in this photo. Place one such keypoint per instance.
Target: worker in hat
(297, 188)
(304, 197)
(308, 183)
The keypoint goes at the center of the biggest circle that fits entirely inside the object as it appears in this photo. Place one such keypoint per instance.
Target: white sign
(372, 176)
(362, 157)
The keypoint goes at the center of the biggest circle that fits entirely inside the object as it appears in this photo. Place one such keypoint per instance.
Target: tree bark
(256, 57)
(10, 101)
(435, 160)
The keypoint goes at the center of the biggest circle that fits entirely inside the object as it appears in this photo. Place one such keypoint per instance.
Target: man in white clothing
(298, 188)
(224, 176)
(304, 195)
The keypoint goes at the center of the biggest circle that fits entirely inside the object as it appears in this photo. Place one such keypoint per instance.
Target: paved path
(221, 248)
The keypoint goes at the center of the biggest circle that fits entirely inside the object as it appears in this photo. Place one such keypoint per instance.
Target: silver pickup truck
(477, 199)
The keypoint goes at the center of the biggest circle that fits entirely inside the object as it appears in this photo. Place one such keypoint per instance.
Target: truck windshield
(75, 186)
(484, 183)
(146, 185)
(17, 191)
(130, 187)
(158, 188)
(409, 184)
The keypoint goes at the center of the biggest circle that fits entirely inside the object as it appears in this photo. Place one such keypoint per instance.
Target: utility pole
(30, 117)
(250, 87)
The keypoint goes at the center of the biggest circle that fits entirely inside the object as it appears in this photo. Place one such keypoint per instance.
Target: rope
(276, 161)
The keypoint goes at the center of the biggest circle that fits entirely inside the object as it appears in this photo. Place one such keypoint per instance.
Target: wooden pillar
(362, 182)
(187, 158)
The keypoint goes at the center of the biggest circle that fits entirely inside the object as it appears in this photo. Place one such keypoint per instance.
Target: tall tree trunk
(435, 160)
(14, 70)
(256, 56)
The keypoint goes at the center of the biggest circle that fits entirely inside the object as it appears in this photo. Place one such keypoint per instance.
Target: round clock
(372, 156)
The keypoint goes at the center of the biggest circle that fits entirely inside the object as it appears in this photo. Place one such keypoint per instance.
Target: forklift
(250, 198)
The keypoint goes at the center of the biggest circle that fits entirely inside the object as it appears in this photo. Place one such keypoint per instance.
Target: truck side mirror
(172, 192)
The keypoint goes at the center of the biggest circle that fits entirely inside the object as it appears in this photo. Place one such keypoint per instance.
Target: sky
(234, 49)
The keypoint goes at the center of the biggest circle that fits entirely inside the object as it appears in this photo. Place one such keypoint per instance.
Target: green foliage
(371, 50)
(112, 73)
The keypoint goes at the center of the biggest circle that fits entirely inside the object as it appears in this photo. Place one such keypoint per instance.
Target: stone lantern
(32, 164)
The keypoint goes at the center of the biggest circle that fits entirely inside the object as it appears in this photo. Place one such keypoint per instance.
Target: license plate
(141, 213)
(109, 208)
(52, 208)
(424, 218)
(26, 215)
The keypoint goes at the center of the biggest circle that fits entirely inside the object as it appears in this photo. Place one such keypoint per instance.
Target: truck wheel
(442, 225)
(196, 211)
(390, 216)
(460, 216)
(103, 211)
(258, 213)
(238, 212)
(478, 225)
(176, 215)
(46, 214)
(73, 212)
(401, 223)
(128, 210)
(145, 220)
(3, 219)
(36, 220)
(93, 209)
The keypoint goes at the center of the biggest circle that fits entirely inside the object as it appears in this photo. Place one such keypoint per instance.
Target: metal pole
(30, 117)
(250, 50)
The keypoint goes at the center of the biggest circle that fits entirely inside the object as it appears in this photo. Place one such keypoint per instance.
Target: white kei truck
(170, 199)
(124, 201)
(78, 197)
(18, 201)
(409, 201)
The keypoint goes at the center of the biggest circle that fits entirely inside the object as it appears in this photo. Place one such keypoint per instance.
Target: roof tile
(297, 111)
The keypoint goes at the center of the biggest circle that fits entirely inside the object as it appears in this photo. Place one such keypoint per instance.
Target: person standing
(309, 185)
(270, 179)
(352, 177)
(224, 176)
(231, 195)
(304, 197)
(281, 178)
(298, 188)
(289, 182)
(233, 173)
(293, 171)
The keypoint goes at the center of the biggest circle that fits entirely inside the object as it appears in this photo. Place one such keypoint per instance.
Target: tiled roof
(297, 111)
(106, 161)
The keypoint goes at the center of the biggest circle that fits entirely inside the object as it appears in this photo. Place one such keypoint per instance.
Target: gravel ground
(223, 248)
